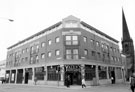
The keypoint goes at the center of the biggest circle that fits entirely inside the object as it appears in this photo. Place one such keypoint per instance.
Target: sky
(32, 16)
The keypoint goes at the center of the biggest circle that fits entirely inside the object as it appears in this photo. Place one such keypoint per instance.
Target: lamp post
(10, 20)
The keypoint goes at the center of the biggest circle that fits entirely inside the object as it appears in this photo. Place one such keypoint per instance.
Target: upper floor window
(57, 52)
(32, 49)
(49, 42)
(85, 52)
(92, 41)
(27, 49)
(85, 39)
(43, 44)
(23, 51)
(31, 60)
(49, 54)
(37, 48)
(97, 43)
(72, 54)
(71, 40)
(43, 55)
(57, 39)
(93, 53)
(37, 59)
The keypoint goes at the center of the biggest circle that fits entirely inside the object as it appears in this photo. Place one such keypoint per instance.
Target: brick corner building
(71, 48)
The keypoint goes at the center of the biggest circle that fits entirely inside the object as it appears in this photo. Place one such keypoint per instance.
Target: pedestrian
(68, 81)
(132, 82)
(83, 83)
(112, 79)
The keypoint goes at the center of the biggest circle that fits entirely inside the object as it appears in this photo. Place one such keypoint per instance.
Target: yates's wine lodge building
(68, 48)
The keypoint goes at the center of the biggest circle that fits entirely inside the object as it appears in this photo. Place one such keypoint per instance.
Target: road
(44, 88)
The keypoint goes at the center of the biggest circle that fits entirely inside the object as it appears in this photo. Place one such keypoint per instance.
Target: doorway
(26, 77)
(75, 77)
(113, 75)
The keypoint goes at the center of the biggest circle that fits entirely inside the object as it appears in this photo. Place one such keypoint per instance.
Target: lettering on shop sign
(73, 68)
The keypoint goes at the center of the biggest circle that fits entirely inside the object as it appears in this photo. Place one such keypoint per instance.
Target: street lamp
(10, 20)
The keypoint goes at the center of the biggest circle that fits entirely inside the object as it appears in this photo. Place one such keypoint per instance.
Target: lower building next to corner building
(70, 48)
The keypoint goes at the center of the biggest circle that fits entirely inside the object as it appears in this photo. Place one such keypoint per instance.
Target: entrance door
(75, 77)
(26, 77)
(113, 75)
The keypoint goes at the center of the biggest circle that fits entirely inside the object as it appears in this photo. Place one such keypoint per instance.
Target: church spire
(126, 35)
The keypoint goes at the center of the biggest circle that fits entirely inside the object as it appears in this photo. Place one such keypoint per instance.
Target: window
(43, 44)
(39, 74)
(85, 39)
(43, 55)
(85, 52)
(102, 72)
(57, 39)
(93, 53)
(52, 74)
(49, 42)
(92, 41)
(97, 43)
(99, 56)
(90, 72)
(72, 40)
(31, 60)
(27, 49)
(22, 60)
(111, 49)
(68, 54)
(37, 48)
(37, 59)
(57, 52)
(32, 49)
(49, 54)
(26, 59)
(23, 51)
(72, 54)
(75, 53)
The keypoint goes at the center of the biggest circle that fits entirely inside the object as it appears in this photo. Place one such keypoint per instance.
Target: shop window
(90, 72)
(52, 73)
(39, 73)
(102, 72)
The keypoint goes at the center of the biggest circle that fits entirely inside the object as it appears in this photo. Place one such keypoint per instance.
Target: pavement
(121, 87)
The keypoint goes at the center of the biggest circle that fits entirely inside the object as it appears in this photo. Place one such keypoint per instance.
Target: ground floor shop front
(57, 74)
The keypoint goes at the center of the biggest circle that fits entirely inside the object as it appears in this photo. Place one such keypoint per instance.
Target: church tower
(127, 46)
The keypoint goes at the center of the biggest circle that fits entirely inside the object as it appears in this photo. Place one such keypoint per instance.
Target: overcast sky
(32, 16)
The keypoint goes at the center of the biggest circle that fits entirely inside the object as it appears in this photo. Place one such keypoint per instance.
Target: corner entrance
(74, 74)
(75, 77)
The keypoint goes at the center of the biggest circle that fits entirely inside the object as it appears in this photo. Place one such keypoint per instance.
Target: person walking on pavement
(83, 83)
(132, 82)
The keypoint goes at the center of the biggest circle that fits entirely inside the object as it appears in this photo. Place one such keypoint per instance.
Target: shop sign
(73, 68)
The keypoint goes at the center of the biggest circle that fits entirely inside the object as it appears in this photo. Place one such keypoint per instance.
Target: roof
(96, 30)
(55, 25)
